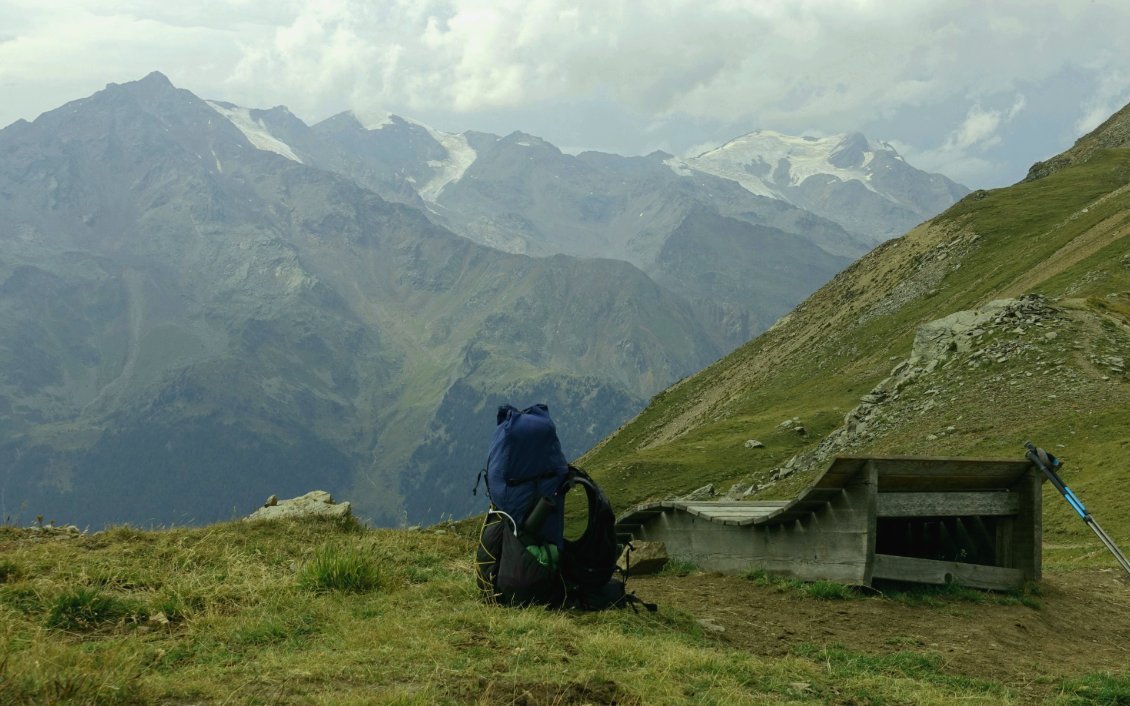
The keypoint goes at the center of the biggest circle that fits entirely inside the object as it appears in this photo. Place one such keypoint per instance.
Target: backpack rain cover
(525, 462)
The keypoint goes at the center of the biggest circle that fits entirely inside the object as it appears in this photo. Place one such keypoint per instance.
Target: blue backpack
(523, 557)
(525, 464)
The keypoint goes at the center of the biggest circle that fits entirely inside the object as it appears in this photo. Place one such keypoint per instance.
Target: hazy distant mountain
(861, 184)
(521, 194)
(816, 204)
(193, 317)
(824, 201)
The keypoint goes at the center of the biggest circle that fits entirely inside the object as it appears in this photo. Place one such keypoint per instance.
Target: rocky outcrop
(642, 558)
(706, 492)
(316, 503)
(1114, 133)
(990, 335)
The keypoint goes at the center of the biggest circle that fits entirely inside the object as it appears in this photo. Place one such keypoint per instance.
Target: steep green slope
(846, 364)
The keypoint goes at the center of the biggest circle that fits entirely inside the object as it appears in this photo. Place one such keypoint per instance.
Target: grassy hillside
(330, 613)
(1057, 378)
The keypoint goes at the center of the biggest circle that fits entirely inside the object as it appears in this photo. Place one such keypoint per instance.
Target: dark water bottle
(537, 516)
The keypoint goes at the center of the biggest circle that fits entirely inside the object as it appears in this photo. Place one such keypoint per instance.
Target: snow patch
(374, 120)
(255, 131)
(460, 156)
(678, 166)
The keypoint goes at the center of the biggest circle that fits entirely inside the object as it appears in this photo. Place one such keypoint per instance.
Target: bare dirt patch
(1082, 625)
(527, 693)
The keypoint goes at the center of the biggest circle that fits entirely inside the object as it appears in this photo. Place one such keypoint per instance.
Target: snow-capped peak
(767, 162)
(254, 130)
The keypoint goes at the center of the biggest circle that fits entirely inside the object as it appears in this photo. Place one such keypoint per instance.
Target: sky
(975, 90)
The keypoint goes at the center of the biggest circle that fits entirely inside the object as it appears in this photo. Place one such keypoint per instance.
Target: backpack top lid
(525, 462)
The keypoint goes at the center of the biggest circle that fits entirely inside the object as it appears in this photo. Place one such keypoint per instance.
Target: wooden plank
(734, 503)
(727, 516)
(944, 483)
(947, 504)
(1027, 531)
(913, 473)
(904, 568)
(732, 510)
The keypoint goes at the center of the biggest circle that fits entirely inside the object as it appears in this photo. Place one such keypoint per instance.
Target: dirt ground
(1082, 625)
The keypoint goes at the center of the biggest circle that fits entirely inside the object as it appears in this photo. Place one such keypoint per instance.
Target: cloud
(721, 65)
(981, 127)
(777, 62)
(962, 153)
(1113, 93)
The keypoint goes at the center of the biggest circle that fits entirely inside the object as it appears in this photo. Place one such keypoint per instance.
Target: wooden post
(1028, 527)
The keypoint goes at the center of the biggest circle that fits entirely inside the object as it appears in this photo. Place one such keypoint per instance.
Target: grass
(85, 609)
(321, 613)
(349, 569)
(676, 566)
(1100, 688)
(820, 590)
(9, 571)
(857, 674)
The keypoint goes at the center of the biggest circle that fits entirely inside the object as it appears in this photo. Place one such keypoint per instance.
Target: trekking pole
(1048, 463)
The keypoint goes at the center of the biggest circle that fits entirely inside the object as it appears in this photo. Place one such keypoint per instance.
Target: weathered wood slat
(733, 503)
(946, 483)
(932, 504)
(750, 511)
(904, 568)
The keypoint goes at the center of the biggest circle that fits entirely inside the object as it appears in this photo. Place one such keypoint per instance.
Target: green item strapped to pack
(547, 555)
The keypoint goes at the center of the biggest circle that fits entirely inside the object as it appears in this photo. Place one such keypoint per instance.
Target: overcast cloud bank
(977, 91)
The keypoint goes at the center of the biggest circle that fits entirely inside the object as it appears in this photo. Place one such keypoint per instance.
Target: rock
(316, 503)
(754, 444)
(709, 625)
(271, 501)
(782, 473)
(738, 491)
(704, 493)
(800, 430)
(646, 558)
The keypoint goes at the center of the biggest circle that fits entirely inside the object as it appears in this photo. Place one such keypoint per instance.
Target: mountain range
(203, 304)
(1004, 319)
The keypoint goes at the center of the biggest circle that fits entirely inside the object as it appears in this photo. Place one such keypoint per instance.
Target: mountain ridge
(1024, 289)
(227, 322)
